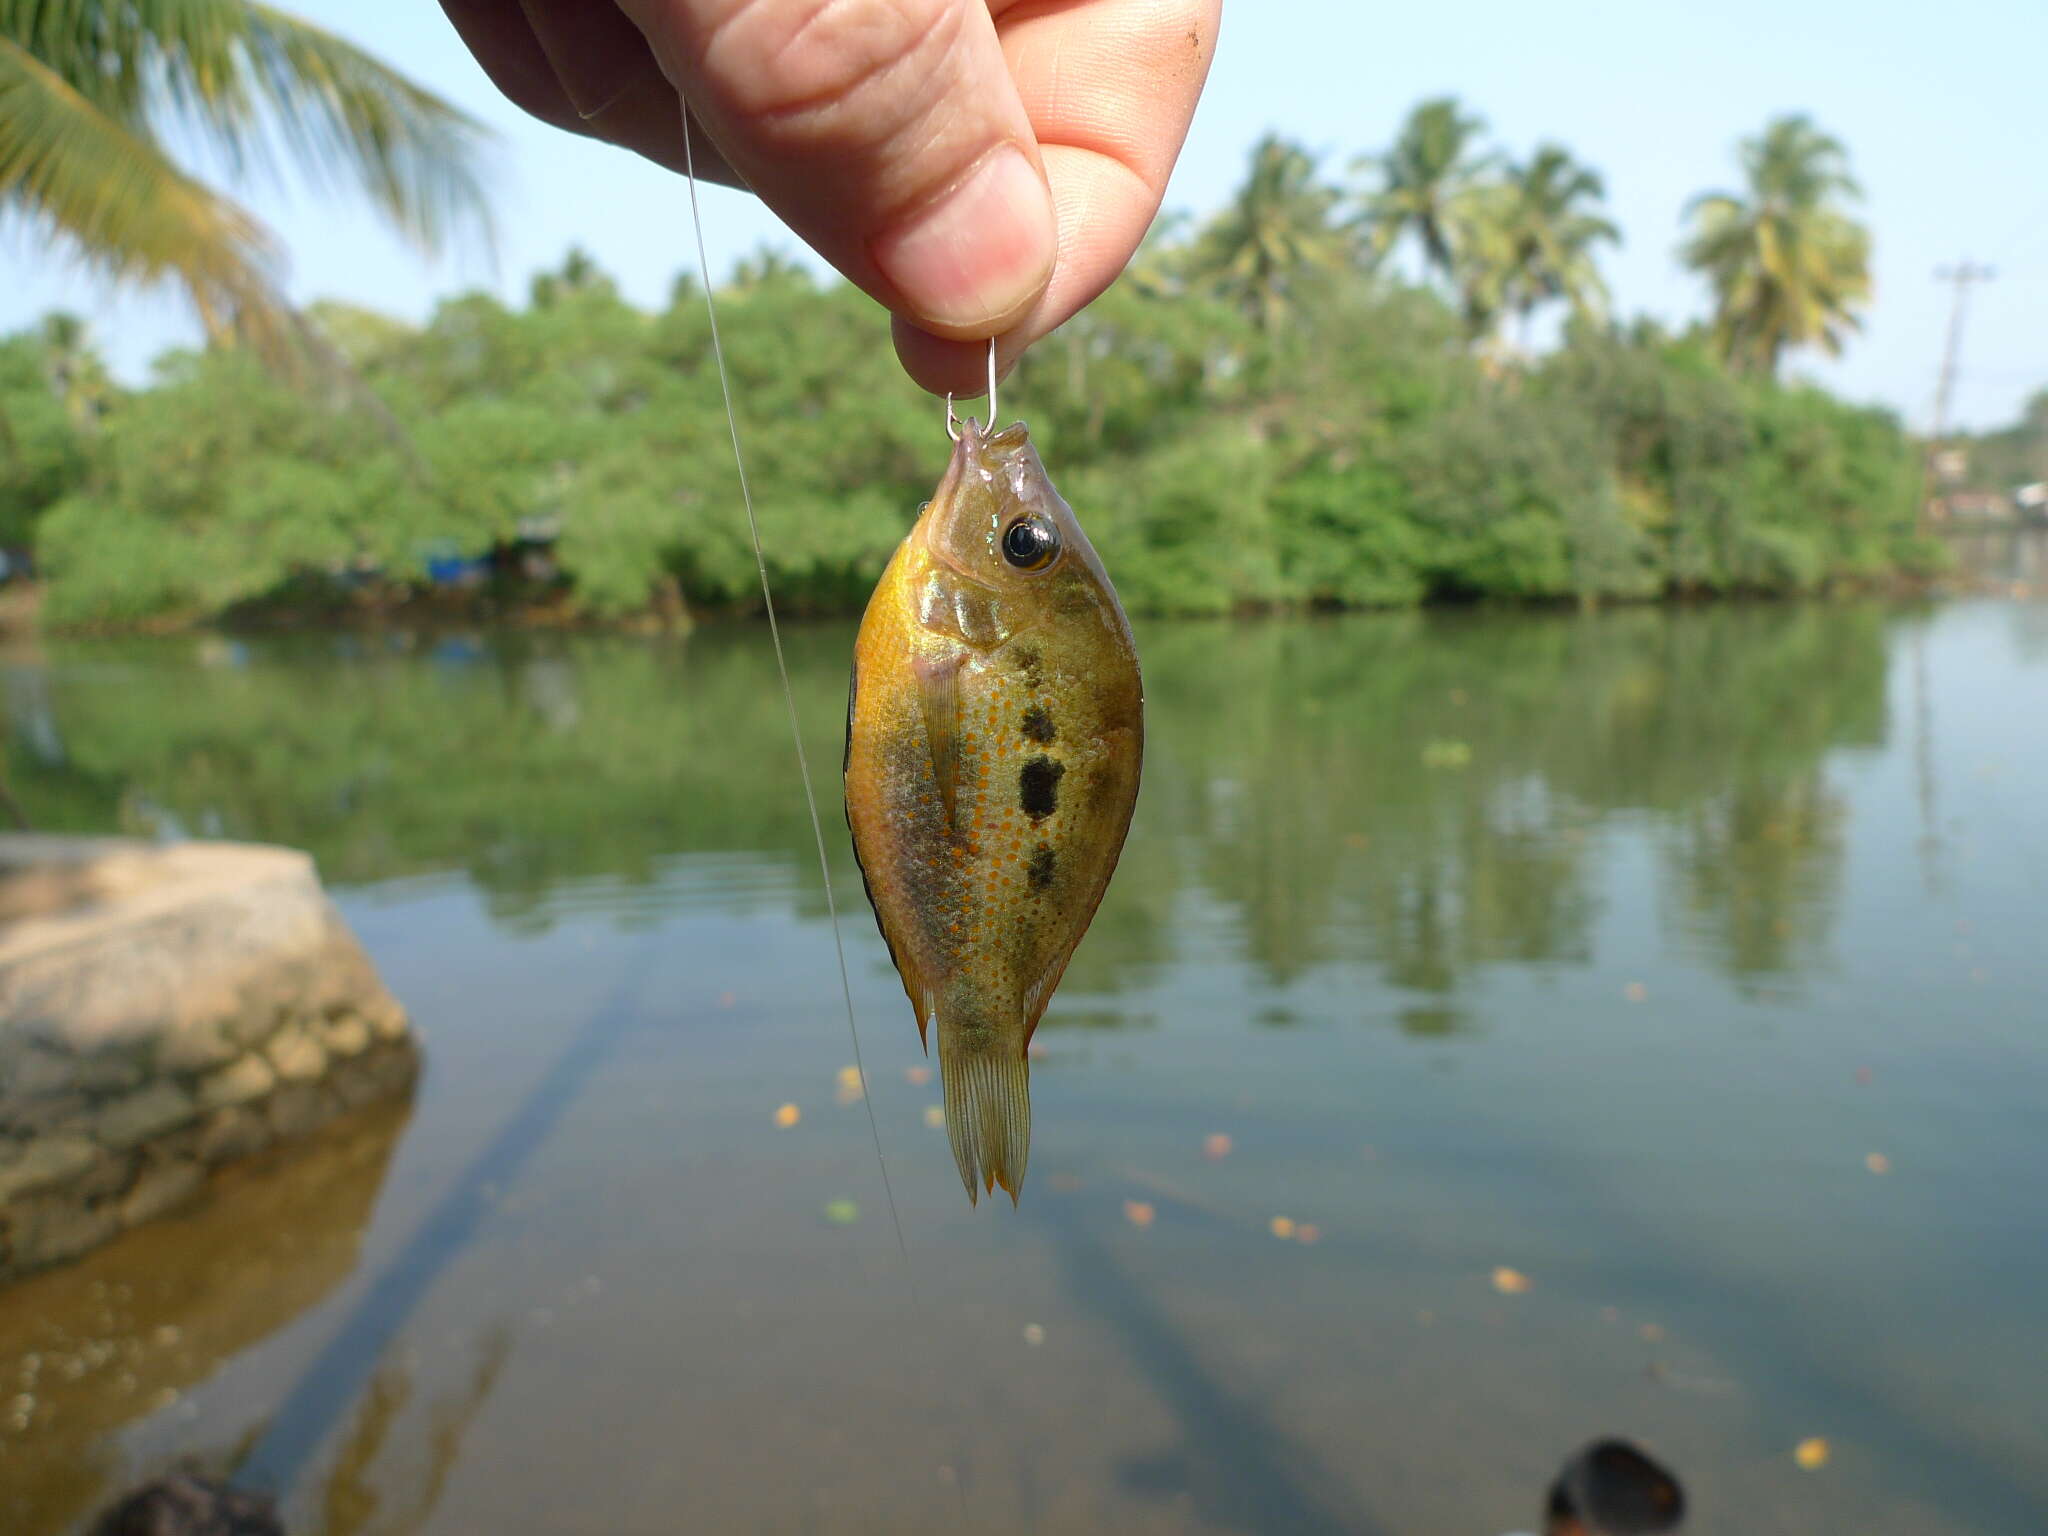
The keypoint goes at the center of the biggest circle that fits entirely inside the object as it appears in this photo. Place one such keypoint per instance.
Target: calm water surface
(1608, 951)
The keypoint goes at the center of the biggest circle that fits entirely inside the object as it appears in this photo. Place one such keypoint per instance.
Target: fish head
(1003, 551)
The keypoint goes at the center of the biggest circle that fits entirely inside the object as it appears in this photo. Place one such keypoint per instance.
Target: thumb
(889, 136)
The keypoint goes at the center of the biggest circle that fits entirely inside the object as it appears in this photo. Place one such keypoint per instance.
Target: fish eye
(1031, 543)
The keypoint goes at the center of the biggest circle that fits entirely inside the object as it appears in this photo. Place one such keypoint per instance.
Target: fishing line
(796, 733)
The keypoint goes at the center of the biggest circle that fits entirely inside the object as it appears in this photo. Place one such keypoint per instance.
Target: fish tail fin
(988, 1114)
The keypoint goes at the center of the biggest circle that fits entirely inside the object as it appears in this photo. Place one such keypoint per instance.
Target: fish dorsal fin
(938, 685)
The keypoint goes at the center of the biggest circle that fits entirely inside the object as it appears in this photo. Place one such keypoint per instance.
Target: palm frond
(252, 79)
(129, 212)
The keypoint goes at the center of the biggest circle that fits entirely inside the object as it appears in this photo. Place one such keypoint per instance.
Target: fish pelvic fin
(988, 1113)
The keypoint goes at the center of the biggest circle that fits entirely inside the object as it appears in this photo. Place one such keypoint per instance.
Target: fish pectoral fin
(938, 686)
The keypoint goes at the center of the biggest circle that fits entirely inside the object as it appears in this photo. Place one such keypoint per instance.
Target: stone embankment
(165, 1010)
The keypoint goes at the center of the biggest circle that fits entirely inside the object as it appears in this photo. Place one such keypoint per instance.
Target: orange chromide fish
(994, 732)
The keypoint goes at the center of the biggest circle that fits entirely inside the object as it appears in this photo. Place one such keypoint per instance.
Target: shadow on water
(1241, 1470)
(349, 1364)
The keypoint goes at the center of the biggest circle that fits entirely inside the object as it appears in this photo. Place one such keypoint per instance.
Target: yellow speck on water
(935, 1117)
(917, 1077)
(1877, 1162)
(1510, 1282)
(849, 1089)
(1811, 1453)
(1034, 1334)
(1635, 992)
(842, 1213)
(1281, 1227)
(787, 1116)
(1652, 1334)
(1216, 1146)
(1138, 1213)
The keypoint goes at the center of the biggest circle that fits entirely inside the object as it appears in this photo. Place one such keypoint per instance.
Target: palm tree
(1528, 239)
(1789, 268)
(1423, 180)
(77, 373)
(87, 88)
(1277, 237)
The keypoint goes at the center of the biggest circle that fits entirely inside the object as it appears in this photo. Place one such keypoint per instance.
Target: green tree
(1423, 181)
(1787, 264)
(88, 87)
(1276, 240)
(1528, 240)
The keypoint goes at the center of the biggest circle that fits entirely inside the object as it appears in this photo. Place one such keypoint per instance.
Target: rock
(387, 1019)
(232, 1133)
(45, 1161)
(132, 1120)
(249, 1078)
(58, 1112)
(111, 1071)
(346, 1034)
(298, 1057)
(162, 1186)
(295, 1109)
(60, 1228)
(198, 1048)
(35, 1072)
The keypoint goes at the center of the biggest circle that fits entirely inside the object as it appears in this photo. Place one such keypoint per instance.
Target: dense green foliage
(1261, 414)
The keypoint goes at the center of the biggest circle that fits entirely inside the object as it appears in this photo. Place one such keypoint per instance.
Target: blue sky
(1944, 109)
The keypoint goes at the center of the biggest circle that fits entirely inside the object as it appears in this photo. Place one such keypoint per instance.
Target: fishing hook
(953, 421)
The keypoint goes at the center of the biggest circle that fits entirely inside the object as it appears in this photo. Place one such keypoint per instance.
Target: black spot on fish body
(1040, 871)
(1038, 725)
(1038, 787)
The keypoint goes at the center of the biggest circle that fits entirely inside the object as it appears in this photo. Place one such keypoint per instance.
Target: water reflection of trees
(1426, 794)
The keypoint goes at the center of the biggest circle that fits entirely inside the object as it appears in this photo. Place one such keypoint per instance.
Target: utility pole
(1961, 276)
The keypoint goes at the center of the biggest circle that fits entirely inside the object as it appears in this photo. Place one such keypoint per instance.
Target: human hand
(980, 167)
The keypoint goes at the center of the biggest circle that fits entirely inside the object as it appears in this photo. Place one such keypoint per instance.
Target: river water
(1504, 1030)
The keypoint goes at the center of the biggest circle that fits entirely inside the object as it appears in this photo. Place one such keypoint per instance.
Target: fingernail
(978, 254)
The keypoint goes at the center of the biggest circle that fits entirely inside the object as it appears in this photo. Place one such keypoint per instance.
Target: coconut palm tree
(1422, 182)
(1528, 240)
(88, 89)
(1276, 238)
(1788, 266)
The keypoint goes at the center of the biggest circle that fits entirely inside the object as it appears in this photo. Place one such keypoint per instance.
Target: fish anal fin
(938, 686)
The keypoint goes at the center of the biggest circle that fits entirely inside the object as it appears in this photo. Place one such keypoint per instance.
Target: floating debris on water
(935, 1117)
(1307, 1232)
(1811, 1453)
(1138, 1213)
(1510, 1282)
(1034, 1334)
(1281, 1227)
(842, 1213)
(787, 1116)
(917, 1077)
(1636, 992)
(1446, 754)
(849, 1089)
(1215, 1147)
(1652, 1334)
(1877, 1162)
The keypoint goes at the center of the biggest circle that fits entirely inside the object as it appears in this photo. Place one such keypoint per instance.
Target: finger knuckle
(807, 65)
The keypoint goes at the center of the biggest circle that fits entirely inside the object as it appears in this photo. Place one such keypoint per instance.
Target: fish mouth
(980, 459)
